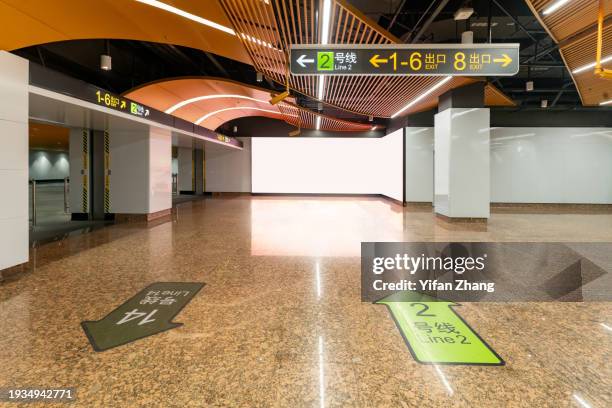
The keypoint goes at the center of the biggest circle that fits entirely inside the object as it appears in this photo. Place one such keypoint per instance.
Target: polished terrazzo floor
(280, 322)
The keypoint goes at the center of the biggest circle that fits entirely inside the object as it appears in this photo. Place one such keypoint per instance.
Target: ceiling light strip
(187, 15)
(186, 102)
(325, 27)
(423, 95)
(208, 115)
(554, 7)
(591, 65)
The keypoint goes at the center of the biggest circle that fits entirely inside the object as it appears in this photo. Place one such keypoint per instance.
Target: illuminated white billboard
(336, 165)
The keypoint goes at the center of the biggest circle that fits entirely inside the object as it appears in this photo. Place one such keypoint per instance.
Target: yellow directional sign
(375, 60)
(406, 59)
(506, 60)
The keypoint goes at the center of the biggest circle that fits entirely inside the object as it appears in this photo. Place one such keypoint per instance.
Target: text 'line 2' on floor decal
(435, 333)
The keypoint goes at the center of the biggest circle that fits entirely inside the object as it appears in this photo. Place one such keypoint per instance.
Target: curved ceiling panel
(210, 102)
(27, 23)
(573, 26)
(282, 23)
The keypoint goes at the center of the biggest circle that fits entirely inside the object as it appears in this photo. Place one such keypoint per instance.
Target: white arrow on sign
(302, 60)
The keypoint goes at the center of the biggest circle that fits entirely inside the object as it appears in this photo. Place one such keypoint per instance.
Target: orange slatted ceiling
(294, 23)
(308, 120)
(570, 18)
(495, 97)
(572, 26)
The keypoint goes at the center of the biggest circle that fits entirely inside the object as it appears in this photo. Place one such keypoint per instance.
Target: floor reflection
(321, 226)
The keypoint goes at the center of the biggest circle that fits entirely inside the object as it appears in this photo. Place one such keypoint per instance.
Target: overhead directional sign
(435, 333)
(149, 312)
(406, 59)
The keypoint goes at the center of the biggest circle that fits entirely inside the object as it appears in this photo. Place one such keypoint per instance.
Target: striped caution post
(106, 172)
(85, 190)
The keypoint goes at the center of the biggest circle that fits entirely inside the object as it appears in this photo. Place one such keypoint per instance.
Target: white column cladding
(160, 170)
(185, 169)
(140, 170)
(419, 164)
(462, 172)
(14, 109)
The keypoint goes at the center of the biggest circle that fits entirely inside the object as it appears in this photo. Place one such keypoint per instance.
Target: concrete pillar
(140, 173)
(14, 106)
(186, 170)
(461, 142)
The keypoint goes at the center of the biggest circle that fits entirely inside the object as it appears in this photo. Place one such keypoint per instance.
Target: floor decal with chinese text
(147, 313)
(435, 333)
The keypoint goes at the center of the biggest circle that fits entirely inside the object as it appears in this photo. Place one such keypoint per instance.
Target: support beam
(515, 20)
(540, 54)
(430, 20)
(396, 14)
(561, 91)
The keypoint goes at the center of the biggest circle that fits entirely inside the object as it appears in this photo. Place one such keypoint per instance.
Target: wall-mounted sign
(406, 59)
(54, 81)
(149, 312)
(222, 138)
(116, 102)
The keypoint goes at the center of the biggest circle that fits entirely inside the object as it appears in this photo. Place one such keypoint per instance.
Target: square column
(140, 173)
(14, 225)
(462, 173)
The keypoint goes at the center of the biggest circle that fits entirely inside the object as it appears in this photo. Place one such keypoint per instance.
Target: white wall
(48, 165)
(530, 165)
(551, 165)
(14, 228)
(228, 170)
(419, 164)
(328, 165)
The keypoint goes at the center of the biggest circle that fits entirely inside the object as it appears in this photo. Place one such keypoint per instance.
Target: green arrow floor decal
(147, 313)
(435, 333)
